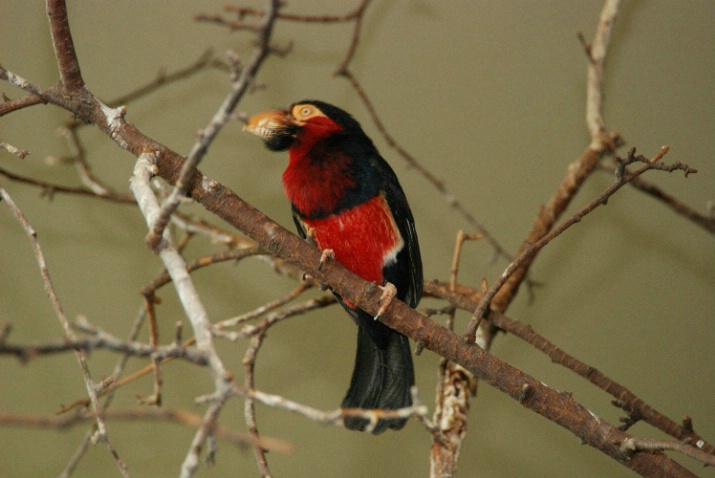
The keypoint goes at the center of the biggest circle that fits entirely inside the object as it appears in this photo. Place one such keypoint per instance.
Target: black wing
(406, 272)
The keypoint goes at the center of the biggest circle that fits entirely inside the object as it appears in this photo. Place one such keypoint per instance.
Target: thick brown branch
(468, 299)
(68, 65)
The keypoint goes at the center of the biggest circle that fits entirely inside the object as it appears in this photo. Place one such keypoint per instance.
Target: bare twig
(206, 60)
(14, 79)
(49, 189)
(578, 171)
(206, 136)
(597, 52)
(270, 306)
(705, 221)
(14, 105)
(455, 388)
(178, 271)
(67, 63)
(81, 355)
(179, 416)
(20, 153)
(633, 445)
(243, 12)
(100, 339)
(335, 417)
(532, 249)
(249, 407)
(232, 255)
(437, 183)
(193, 307)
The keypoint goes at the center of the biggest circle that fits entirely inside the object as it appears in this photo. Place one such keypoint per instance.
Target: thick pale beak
(269, 123)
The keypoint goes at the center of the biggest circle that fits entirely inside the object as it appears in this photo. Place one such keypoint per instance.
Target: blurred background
(489, 96)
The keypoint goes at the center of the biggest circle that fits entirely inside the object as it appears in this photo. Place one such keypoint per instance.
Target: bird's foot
(389, 291)
(325, 257)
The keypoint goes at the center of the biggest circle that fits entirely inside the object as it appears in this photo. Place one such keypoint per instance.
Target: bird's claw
(389, 291)
(325, 256)
(307, 278)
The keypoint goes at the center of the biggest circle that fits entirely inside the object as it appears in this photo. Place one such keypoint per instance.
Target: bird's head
(304, 123)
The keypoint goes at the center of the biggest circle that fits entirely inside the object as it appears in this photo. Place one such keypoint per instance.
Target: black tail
(382, 377)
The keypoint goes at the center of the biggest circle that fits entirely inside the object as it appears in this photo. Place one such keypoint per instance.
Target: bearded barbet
(347, 200)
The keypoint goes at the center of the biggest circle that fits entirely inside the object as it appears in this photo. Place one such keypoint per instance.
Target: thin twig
(452, 200)
(100, 340)
(20, 103)
(233, 255)
(204, 61)
(532, 249)
(20, 153)
(633, 444)
(178, 416)
(336, 417)
(49, 189)
(238, 88)
(257, 312)
(101, 434)
(597, 52)
(705, 221)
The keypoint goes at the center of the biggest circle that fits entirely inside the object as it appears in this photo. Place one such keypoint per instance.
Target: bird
(347, 200)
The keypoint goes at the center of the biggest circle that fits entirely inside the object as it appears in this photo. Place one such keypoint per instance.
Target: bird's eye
(306, 111)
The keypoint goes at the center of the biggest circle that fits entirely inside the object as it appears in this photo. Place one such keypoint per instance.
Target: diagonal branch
(578, 171)
(65, 53)
(705, 221)
(530, 251)
(468, 299)
(238, 87)
(9, 106)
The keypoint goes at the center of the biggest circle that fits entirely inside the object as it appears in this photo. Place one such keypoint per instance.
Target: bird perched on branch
(348, 201)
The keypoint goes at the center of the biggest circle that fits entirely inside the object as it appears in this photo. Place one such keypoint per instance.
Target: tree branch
(67, 63)
(469, 299)
(101, 434)
(530, 251)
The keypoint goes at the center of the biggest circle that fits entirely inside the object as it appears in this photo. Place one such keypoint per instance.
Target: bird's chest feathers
(317, 181)
(364, 238)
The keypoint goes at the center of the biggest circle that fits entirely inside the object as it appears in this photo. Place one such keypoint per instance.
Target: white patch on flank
(391, 256)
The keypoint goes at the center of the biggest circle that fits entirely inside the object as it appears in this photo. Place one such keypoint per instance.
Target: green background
(489, 96)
